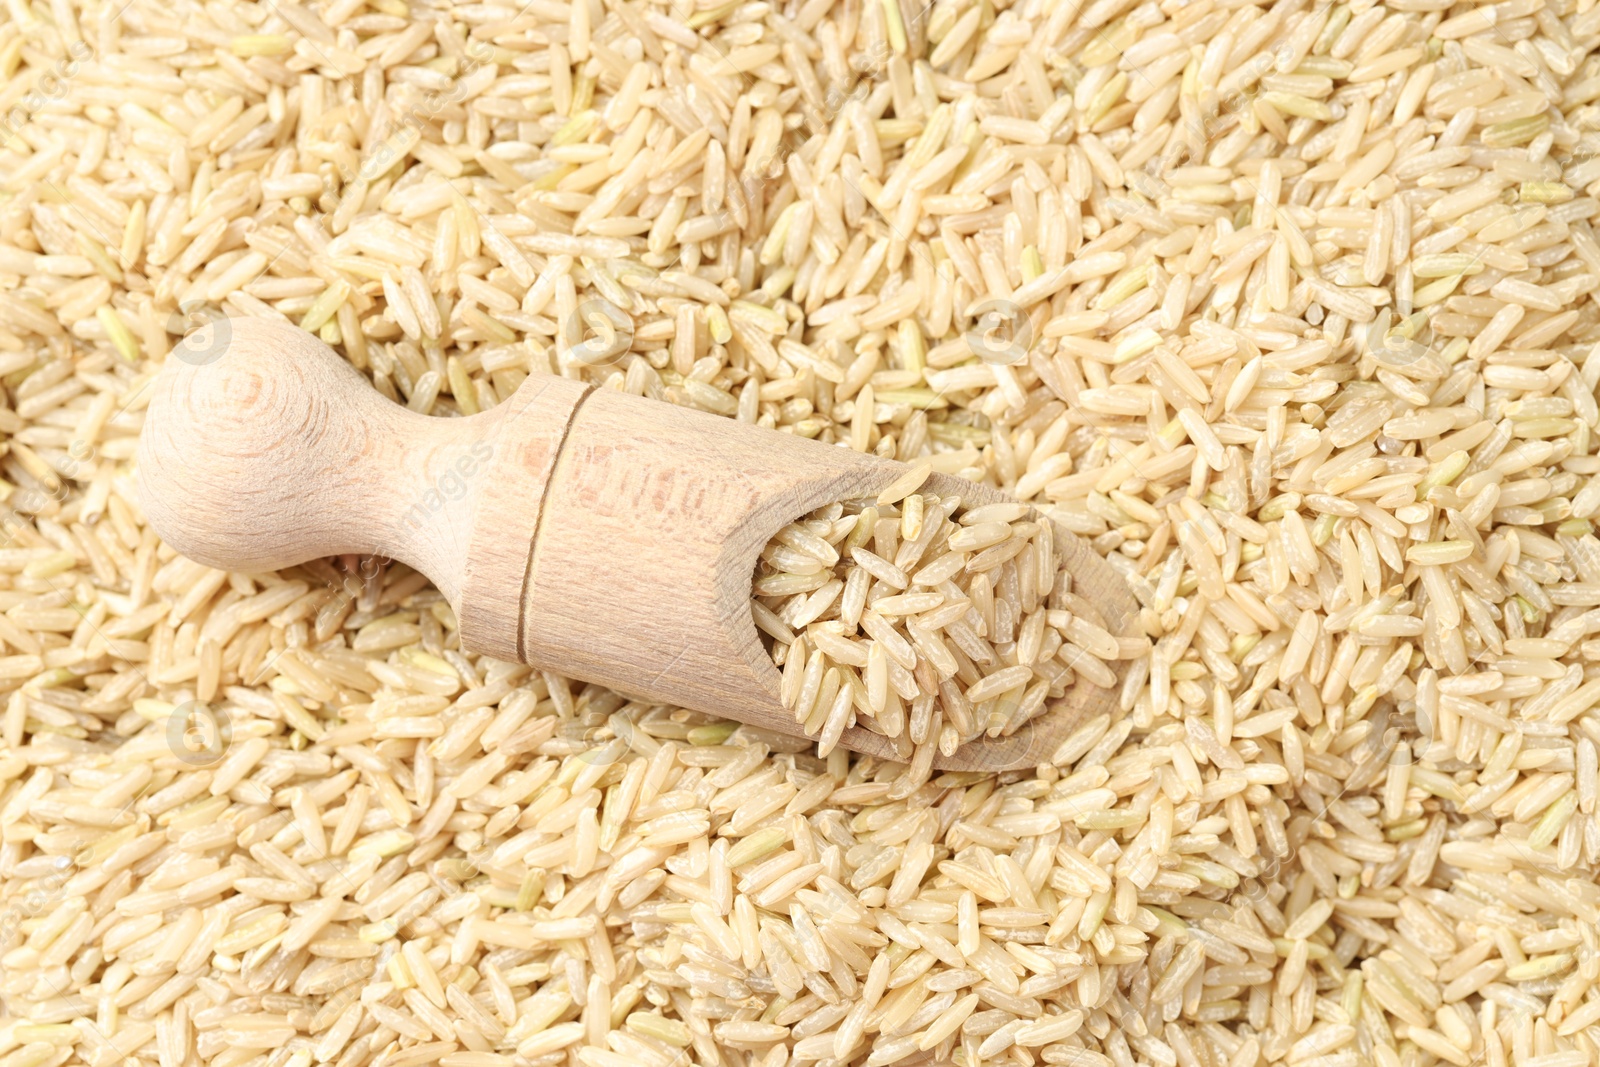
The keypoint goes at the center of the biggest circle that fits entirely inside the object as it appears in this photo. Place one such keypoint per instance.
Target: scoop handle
(262, 449)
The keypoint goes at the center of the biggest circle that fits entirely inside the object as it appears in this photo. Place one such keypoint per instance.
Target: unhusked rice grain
(1287, 308)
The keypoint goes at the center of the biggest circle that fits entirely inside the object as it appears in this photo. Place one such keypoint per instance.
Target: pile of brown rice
(923, 620)
(1300, 301)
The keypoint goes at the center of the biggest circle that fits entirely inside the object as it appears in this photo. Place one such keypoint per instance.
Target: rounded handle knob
(262, 448)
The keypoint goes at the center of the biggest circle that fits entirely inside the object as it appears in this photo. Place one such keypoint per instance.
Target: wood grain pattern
(606, 536)
(527, 441)
(278, 451)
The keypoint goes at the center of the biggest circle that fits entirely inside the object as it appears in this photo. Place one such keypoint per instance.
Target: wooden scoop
(605, 536)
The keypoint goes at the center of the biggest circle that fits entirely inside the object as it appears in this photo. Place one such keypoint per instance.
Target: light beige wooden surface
(605, 536)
